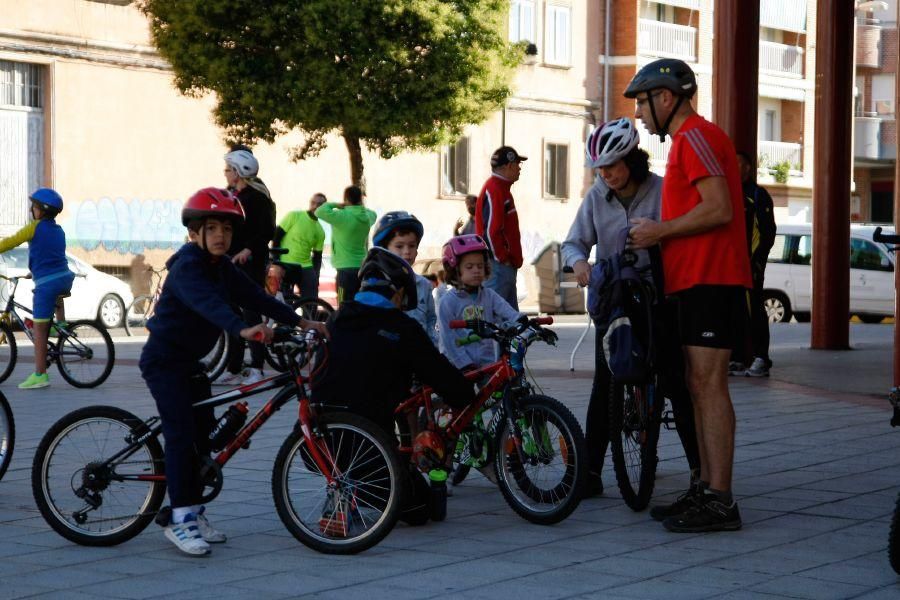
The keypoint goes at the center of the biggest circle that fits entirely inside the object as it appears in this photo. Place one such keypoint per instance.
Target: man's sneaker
(35, 381)
(736, 368)
(252, 376)
(758, 368)
(229, 379)
(711, 515)
(210, 534)
(682, 504)
(186, 536)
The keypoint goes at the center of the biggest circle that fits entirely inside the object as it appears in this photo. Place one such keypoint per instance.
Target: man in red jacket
(497, 222)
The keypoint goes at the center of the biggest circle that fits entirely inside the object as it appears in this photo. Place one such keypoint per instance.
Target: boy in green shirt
(350, 223)
(301, 234)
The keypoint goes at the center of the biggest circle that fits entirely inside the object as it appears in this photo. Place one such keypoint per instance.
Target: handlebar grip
(259, 337)
(458, 324)
(469, 339)
(543, 321)
(568, 270)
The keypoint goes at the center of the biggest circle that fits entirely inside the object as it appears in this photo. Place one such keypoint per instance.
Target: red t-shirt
(717, 256)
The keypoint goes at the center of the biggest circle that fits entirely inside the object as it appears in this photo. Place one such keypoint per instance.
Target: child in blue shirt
(195, 306)
(50, 270)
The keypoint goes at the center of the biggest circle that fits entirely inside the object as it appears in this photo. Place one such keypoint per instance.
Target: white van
(788, 284)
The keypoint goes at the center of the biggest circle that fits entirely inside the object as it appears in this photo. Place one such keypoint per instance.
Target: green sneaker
(54, 331)
(35, 381)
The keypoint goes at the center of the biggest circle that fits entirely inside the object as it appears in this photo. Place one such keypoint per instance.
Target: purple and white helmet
(610, 143)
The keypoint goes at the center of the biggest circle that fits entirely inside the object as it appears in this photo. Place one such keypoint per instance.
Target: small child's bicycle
(533, 442)
(98, 474)
(83, 350)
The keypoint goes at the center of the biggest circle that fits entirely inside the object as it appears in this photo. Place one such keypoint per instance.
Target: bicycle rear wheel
(86, 500)
(8, 352)
(139, 311)
(547, 486)
(85, 353)
(634, 418)
(362, 508)
(314, 309)
(7, 434)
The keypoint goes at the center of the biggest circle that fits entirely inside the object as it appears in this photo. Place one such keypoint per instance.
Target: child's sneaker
(210, 534)
(252, 376)
(758, 368)
(229, 379)
(186, 536)
(35, 381)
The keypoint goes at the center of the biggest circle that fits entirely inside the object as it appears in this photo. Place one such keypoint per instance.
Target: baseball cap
(505, 155)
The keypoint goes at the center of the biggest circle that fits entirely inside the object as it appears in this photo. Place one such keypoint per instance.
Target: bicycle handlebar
(885, 238)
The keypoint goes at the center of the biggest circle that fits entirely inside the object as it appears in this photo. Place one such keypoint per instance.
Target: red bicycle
(98, 473)
(534, 442)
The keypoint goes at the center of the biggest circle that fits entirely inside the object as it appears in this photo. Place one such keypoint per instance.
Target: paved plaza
(817, 474)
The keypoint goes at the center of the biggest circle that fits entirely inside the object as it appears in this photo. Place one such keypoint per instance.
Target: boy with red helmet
(195, 306)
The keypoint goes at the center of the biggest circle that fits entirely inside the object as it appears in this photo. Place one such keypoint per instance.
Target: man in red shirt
(497, 222)
(705, 264)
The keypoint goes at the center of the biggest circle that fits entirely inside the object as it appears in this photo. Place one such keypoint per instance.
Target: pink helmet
(463, 244)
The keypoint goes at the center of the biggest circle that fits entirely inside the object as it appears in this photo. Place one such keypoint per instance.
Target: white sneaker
(186, 536)
(758, 368)
(210, 534)
(229, 379)
(252, 376)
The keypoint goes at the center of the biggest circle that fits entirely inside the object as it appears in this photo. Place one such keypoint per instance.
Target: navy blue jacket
(196, 305)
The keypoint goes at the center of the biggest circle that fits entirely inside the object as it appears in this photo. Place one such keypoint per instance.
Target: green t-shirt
(349, 232)
(303, 235)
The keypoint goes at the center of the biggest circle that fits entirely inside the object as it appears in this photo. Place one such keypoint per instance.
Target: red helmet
(212, 202)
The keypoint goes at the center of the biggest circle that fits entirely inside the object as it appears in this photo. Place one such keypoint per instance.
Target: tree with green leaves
(391, 74)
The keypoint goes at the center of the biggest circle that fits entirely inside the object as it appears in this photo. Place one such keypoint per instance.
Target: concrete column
(831, 183)
(736, 71)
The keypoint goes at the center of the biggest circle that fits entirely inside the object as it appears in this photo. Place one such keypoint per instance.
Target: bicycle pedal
(668, 420)
(164, 516)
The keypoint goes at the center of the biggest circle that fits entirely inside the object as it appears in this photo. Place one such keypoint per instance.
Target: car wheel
(111, 311)
(870, 318)
(778, 307)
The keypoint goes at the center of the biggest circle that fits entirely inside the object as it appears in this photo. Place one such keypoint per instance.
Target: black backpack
(621, 303)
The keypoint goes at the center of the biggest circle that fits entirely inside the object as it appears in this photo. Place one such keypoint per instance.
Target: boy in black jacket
(195, 306)
(375, 348)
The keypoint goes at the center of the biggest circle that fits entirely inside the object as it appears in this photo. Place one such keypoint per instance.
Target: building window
(559, 35)
(556, 171)
(21, 84)
(455, 169)
(521, 21)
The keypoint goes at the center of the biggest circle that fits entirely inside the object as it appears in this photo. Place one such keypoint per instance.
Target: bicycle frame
(10, 311)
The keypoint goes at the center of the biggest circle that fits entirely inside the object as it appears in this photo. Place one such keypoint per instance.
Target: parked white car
(97, 295)
(788, 283)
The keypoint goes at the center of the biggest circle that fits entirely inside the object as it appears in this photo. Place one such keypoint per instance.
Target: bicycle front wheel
(542, 474)
(7, 434)
(634, 420)
(139, 311)
(8, 352)
(215, 362)
(363, 506)
(314, 309)
(85, 497)
(85, 354)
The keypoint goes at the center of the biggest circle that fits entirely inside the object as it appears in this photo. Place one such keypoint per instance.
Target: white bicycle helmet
(243, 162)
(610, 143)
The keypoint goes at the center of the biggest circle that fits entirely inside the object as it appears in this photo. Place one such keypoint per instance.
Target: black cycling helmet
(385, 271)
(396, 219)
(666, 73)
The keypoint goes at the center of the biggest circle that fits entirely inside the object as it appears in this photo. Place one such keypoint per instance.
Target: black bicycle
(7, 434)
(83, 350)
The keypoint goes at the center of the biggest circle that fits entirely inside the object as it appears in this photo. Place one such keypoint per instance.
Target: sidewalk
(817, 473)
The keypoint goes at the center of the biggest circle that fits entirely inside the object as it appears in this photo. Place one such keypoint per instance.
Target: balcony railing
(787, 15)
(691, 4)
(870, 141)
(780, 59)
(774, 153)
(667, 40)
(658, 151)
(868, 44)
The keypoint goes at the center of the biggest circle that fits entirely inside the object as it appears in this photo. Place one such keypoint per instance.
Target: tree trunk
(356, 161)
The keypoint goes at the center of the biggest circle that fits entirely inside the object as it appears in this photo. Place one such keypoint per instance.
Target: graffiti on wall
(124, 226)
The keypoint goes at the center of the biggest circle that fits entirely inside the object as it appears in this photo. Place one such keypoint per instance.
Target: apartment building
(88, 106)
(646, 30)
(875, 125)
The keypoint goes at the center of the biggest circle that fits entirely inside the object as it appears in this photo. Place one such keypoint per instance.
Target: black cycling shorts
(713, 316)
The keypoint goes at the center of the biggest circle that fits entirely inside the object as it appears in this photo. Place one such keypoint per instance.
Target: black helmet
(384, 270)
(669, 73)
